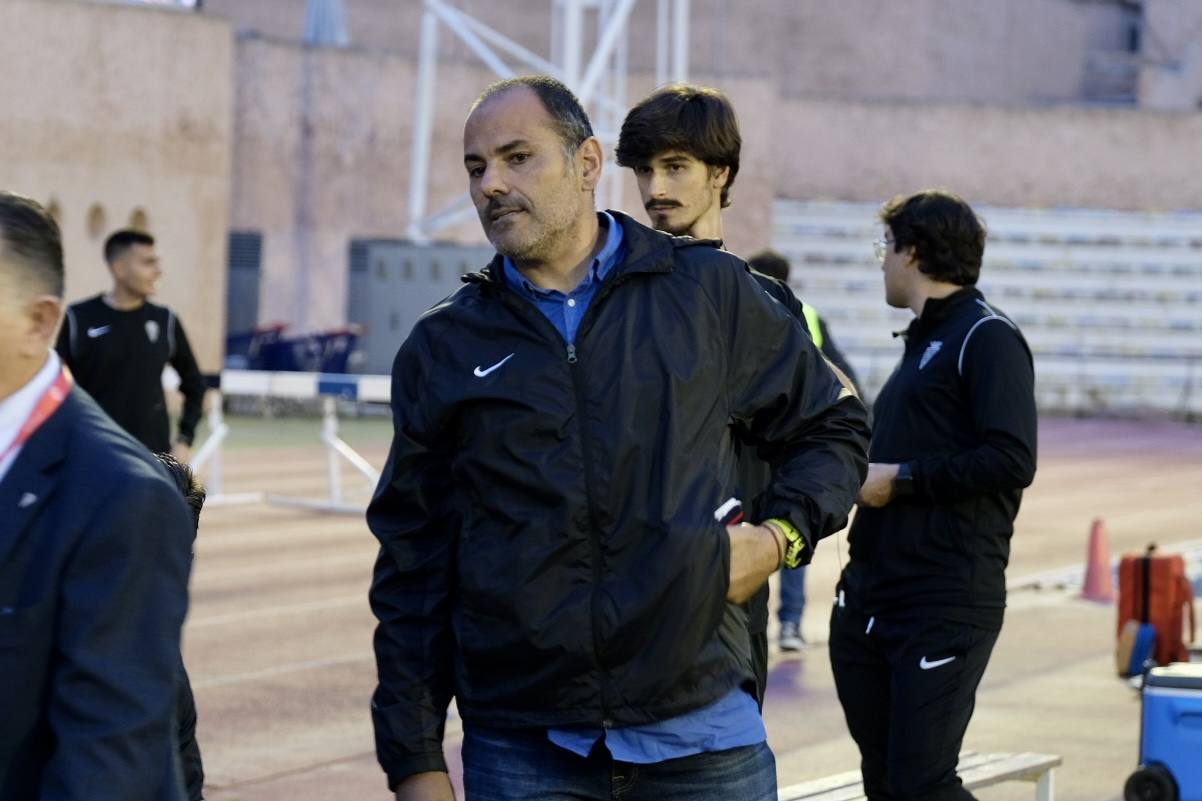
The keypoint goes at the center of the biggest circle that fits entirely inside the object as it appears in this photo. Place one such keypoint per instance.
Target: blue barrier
(266, 348)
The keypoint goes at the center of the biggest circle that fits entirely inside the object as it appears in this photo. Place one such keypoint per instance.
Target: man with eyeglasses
(920, 603)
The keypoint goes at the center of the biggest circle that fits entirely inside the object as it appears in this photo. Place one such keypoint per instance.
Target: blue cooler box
(1171, 737)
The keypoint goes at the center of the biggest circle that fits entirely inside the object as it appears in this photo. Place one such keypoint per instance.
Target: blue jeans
(526, 766)
(792, 595)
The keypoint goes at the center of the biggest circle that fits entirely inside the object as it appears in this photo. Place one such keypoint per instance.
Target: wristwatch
(903, 483)
(794, 542)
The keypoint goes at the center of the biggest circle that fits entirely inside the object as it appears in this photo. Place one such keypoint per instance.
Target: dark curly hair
(947, 237)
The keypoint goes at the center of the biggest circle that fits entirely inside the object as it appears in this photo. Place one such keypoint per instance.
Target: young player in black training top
(118, 343)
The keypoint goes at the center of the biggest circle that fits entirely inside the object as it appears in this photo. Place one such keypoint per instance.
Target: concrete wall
(323, 139)
(107, 111)
(917, 49)
(349, 177)
(1066, 156)
(1170, 75)
(322, 148)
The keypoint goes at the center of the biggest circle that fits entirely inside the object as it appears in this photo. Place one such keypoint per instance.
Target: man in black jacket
(773, 264)
(793, 582)
(95, 547)
(920, 602)
(549, 550)
(682, 143)
(117, 344)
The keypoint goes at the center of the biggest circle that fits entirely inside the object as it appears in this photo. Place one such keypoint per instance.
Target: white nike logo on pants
(926, 665)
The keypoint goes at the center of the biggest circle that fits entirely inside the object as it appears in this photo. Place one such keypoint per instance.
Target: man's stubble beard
(541, 242)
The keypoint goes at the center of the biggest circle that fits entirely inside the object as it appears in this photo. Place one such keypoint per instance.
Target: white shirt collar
(17, 407)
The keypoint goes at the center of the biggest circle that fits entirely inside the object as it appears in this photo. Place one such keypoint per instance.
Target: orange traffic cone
(1099, 580)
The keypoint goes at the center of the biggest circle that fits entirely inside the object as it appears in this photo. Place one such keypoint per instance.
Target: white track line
(281, 670)
(213, 575)
(281, 609)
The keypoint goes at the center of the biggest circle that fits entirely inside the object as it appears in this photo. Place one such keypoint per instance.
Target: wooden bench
(976, 770)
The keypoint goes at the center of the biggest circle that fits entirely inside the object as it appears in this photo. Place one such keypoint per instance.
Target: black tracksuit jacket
(960, 409)
(549, 554)
(755, 472)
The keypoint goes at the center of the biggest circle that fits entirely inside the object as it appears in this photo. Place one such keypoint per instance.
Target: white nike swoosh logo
(925, 665)
(98, 330)
(480, 372)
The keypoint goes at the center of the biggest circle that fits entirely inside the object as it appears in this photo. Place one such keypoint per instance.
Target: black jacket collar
(936, 310)
(645, 250)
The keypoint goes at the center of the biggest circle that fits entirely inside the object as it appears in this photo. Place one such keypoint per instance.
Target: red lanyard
(48, 404)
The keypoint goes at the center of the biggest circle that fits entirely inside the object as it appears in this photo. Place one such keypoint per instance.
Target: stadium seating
(1111, 302)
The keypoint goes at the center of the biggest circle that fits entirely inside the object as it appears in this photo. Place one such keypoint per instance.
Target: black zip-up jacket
(755, 473)
(549, 554)
(960, 409)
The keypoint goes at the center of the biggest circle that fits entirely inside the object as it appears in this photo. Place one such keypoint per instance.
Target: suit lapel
(33, 476)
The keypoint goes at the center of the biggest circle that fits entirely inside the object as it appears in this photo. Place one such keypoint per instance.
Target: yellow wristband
(795, 543)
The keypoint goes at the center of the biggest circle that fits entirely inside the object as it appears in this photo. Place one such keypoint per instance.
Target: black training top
(960, 410)
(118, 357)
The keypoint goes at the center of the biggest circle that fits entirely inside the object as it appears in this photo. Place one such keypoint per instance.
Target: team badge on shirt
(152, 330)
(929, 353)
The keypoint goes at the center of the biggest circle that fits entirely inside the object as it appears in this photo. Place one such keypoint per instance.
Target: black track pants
(908, 688)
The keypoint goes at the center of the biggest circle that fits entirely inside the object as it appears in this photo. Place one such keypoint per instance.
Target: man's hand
(878, 487)
(430, 786)
(754, 556)
(182, 453)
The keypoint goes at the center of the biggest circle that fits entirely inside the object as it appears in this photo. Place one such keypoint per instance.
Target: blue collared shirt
(733, 720)
(566, 311)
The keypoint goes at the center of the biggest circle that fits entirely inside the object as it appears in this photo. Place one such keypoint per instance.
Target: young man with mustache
(682, 142)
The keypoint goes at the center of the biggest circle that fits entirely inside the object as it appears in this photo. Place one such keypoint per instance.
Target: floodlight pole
(680, 41)
(423, 123)
(662, 41)
(573, 34)
(598, 78)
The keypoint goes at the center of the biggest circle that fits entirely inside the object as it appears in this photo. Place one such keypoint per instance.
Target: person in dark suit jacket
(95, 544)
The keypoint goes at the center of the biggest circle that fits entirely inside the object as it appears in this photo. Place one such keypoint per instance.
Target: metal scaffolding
(596, 73)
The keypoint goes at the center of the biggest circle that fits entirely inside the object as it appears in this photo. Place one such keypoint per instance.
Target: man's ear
(589, 160)
(719, 176)
(44, 313)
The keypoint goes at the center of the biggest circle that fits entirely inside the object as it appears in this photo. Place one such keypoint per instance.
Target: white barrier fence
(208, 459)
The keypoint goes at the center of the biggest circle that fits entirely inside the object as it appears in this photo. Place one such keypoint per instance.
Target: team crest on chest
(929, 353)
(152, 330)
